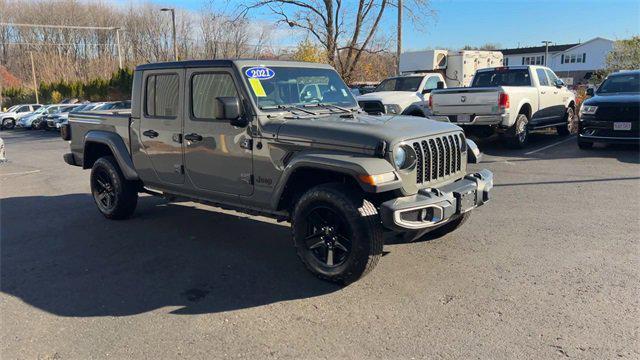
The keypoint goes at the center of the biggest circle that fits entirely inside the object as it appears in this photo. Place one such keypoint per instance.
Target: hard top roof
(240, 63)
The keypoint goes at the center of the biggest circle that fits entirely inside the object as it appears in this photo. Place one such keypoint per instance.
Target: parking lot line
(548, 146)
(21, 173)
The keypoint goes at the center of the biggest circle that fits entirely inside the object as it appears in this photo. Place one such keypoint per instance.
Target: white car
(510, 101)
(405, 94)
(8, 119)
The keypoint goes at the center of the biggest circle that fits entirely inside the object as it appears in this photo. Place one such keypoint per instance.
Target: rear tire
(517, 137)
(337, 233)
(115, 197)
(8, 124)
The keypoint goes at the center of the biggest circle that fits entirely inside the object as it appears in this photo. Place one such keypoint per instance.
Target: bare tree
(344, 33)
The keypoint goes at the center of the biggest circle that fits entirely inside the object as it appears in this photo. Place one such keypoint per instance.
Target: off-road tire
(563, 130)
(360, 217)
(125, 192)
(584, 145)
(517, 136)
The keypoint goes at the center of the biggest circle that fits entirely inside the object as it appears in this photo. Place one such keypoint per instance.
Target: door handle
(150, 133)
(193, 137)
(543, 92)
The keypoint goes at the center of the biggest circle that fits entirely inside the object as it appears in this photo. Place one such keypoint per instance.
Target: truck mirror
(440, 85)
(473, 152)
(590, 92)
(559, 83)
(426, 91)
(231, 110)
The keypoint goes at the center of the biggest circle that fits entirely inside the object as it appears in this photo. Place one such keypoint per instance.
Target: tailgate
(470, 101)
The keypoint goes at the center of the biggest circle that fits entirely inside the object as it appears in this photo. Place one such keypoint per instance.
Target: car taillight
(431, 102)
(503, 101)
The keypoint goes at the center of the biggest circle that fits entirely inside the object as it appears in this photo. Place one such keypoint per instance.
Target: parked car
(612, 114)
(406, 94)
(64, 117)
(510, 101)
(26, 121)
(55, 119)
(8, 119)
(237, 134)
(40, 121)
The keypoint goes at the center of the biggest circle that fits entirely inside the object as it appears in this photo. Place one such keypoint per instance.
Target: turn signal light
(374, 180)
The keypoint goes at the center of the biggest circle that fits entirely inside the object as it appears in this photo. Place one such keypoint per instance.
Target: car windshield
(13, 108)
(621, 84)
(408, 83)
(502, 77)
(41, 110)
(282, 86)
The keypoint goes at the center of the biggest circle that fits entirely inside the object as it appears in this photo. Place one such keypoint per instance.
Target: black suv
(612, 114)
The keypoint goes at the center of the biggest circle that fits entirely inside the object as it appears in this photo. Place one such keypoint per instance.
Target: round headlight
(400, 157)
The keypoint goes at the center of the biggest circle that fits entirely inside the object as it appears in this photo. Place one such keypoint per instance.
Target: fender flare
(413, 108)
(346, 164)
(118, 149)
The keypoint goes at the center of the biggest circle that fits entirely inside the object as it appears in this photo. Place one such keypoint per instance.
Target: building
(574, 63)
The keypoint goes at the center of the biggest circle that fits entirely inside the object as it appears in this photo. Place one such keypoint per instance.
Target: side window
(552, 77)
(36, 107)
(431, 83)
(23, 109)
(161, 98)
(542, 77)
(205, 89)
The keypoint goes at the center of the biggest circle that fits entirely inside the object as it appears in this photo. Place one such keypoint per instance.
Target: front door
(546, 100)
(217, 155)
(161, 124)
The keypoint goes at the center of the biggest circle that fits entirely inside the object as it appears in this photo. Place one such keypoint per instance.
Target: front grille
(438, 158)
(618, 112)
(372, 107)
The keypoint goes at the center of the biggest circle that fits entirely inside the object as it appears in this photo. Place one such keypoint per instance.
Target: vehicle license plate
(622, 126)
(464, 118)
(467, 201)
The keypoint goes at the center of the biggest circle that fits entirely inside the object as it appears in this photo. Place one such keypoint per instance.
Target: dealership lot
(548, 269)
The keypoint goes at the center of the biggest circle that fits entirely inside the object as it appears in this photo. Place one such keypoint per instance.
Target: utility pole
(173, 24)
(546, 51)
(399, 41)
(33, 74)
(119, 48)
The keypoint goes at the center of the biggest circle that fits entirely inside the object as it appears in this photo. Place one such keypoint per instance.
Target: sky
(514, 23)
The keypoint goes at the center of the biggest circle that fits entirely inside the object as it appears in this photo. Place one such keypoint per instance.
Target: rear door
(546, 102)
(218, 156)
(161, 123)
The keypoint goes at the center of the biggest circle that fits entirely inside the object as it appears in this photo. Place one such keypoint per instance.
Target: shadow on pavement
(60, 255)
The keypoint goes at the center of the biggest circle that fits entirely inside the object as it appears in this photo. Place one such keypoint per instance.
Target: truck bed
(106, 120)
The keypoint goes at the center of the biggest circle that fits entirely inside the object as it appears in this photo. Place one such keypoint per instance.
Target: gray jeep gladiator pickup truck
(285, 140)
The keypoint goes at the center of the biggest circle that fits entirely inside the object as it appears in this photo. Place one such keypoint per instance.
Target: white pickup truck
(508, 100)
(406, 94)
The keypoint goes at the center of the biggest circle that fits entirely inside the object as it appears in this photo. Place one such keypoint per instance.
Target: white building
(574, 63)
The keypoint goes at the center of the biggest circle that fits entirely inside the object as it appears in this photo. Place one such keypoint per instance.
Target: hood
(403, 98)
(362, 131)
(613, 99)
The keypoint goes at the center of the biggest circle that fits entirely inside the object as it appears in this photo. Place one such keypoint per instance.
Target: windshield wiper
(287, 108)
(331, 106)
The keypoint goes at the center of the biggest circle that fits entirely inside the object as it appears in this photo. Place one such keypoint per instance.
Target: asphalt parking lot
(548, 269)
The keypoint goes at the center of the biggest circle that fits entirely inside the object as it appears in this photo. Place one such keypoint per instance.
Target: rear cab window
(502, 77)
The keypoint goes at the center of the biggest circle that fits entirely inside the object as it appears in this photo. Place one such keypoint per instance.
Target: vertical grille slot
(438, 158)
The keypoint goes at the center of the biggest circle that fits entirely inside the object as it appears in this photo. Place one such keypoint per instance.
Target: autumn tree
(309, 52)
(624, 56)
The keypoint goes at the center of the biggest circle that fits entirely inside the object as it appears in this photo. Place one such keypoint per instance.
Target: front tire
(115, 197)
(517, 137)
(8, 124)
(564, 130)
(337, 233)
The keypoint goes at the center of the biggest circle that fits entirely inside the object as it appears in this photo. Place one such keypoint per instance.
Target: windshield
(502, 77)
(279, 86)
(621, 84)
(13, 108)
(409, 83)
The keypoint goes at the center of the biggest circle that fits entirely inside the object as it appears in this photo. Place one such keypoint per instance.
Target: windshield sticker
(259, 72)
(257, 88)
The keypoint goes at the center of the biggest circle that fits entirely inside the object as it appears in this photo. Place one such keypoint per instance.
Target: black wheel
(115, 196)
(337, 233)
(8, 124)
(584, 145)
(563, 130)
(517, 136)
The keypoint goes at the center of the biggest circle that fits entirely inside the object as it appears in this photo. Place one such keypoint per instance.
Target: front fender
(351, 165)
(117, 147)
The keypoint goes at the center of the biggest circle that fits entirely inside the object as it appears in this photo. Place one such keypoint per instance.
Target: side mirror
(474, 156)
(440, 85)
(559, 83)
(231, 111)
(590, 92)
(426, 91)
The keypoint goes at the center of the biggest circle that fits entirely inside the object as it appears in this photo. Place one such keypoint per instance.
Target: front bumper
(433, 207)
